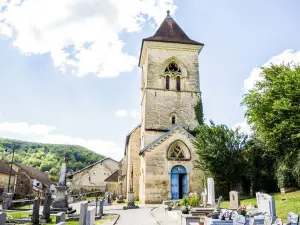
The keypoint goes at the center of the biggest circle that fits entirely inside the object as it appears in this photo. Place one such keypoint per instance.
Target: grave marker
(266, 204)
(60, 217)
(90, 219)
(292, 219)
(83, 211)
(234, 199)
(211, 192)
(35, 218)
(47, 205)
(2, 218)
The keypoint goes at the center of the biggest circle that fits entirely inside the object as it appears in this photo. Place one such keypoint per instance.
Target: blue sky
(74, 79)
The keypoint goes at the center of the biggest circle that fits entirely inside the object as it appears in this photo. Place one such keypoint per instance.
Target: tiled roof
(35, 174)
(165, 135)
(5, 168)
(113, 177)
(170, 31)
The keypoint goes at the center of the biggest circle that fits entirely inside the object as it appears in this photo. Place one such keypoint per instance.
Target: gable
(176, 133)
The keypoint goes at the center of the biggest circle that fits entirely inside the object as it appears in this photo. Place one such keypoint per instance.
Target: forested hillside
(48, 157)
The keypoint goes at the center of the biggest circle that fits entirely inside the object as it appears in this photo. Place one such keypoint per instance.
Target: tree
(219, 151)
(273, 109)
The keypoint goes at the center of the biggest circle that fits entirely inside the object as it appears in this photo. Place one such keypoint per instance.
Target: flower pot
(201, 223)
(215, 216)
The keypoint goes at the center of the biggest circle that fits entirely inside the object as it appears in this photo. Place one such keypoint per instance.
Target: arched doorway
(178, 182)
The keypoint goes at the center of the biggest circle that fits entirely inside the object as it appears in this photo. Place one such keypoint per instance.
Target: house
(93, 176)
(30, 181)
(4, 177)
(112, 182)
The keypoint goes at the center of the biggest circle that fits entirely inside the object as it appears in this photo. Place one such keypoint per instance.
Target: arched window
(173, 68)
(176, 153)
(173, 119)
(167, 82)
(178, 83)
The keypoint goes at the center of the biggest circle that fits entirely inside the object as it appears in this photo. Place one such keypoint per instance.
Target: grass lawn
(17, 215)
(285, 203)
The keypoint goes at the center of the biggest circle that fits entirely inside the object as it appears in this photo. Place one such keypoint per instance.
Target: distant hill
(48, 157)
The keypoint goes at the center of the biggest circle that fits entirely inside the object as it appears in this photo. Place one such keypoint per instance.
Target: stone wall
(94, 176)
(4, 181)
(124, 176)
(157, 169)
(133, 150)
(23, 185)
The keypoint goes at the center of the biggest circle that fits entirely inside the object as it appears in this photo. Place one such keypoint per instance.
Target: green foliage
(285, 178)
(49, 157)
(199, 111)
(184, 201)
(219, 151)
(190, 200)
(273, 110)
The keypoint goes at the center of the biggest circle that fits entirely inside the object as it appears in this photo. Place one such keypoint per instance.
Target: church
(159, 155)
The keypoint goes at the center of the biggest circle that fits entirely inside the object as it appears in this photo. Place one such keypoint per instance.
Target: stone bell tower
(170, 81)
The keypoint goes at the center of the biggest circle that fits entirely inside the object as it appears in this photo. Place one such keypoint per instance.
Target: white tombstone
(90, 218)
(266, 204)
(239, 220)
(234, 200)
(211, 192)
(83, 211)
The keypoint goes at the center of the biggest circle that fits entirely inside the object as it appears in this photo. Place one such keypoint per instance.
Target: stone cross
(60, 217)
(83, 211)
(47, 205)
(234, 200)
(2, 218)
(211, 192)
(90, 219)
(35, 218)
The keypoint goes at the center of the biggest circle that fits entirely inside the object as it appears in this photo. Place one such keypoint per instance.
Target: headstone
(83, 212)
(2, 218)
(234, 200)
(60, 217)
(91, 213)
(219, 202)
(47, 205)
(239, 220)
(61, 223)
(266, 204)
(204, 199)
(6, 200)
(292, 219)
(211, 192)
(100, 207)
(35, 218)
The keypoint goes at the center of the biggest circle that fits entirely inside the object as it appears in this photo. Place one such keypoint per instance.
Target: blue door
(178, 182)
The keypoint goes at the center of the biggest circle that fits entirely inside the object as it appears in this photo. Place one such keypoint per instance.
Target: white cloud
(42, 133)
(106, 148)
(122, 113)
(125, 113)
(288, 56)
(26, 129)
(244, 127)
(81, 36)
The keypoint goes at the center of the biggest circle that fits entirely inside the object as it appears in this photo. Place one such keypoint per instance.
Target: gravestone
(292, 219)
(60, 217)
(101, 207)
(204, 199)
(46, 209)
(2, 218)
(6, 200)
(211, 192)
(266, 204)
(35, 218)
(90, 218)
(219, 202)
(61, 223)
(83, 211)
(278, 222)
(234, 200)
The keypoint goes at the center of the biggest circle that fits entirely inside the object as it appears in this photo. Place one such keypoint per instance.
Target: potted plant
(202, 220)
(184, 210)
(170, 207)
(215, 214)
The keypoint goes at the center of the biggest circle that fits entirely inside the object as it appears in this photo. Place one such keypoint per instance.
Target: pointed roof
(169, 31)
(166, 135)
